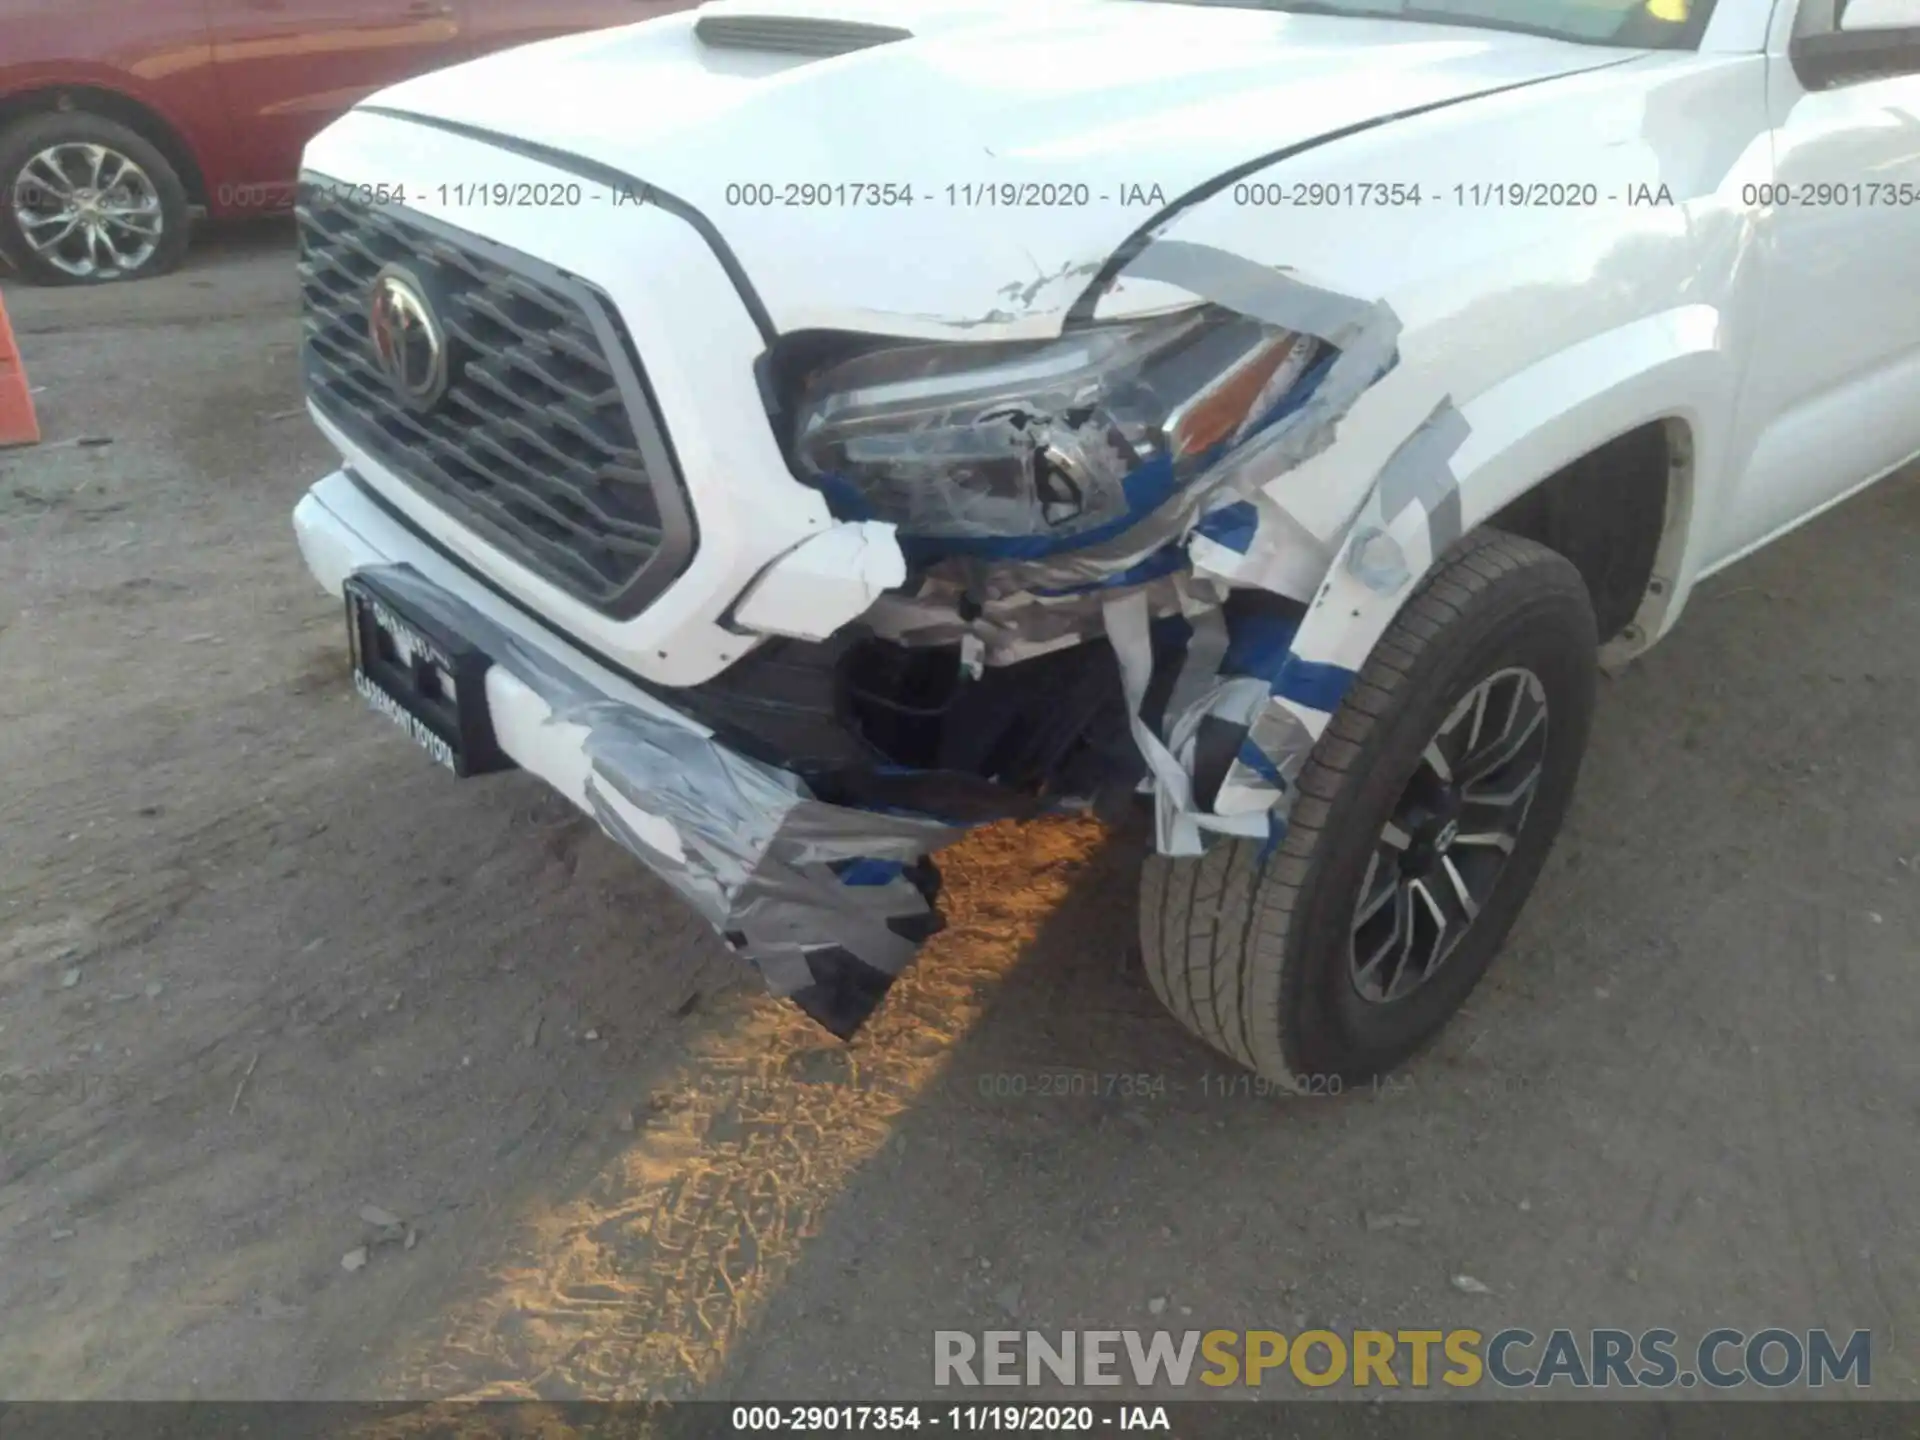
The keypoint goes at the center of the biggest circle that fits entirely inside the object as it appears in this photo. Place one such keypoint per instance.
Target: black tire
(1253, 958)
(26, 138)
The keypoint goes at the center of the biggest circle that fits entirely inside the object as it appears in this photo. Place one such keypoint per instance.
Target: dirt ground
(261, 967)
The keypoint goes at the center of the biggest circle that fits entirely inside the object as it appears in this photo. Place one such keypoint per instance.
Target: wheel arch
(1636, 413)
(114, 104)
(1619, 514)
(1598, 453)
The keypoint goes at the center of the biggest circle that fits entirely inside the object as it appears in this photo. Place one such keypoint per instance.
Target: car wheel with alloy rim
(1437, 860)
(85, 200)
(1417, 829)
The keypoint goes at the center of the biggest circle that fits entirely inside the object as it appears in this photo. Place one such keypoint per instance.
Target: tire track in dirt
(637, 1283)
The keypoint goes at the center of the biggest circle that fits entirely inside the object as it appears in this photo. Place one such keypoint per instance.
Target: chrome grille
(545, 441)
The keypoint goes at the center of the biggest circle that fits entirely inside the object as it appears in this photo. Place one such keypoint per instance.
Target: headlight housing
(1022, 449)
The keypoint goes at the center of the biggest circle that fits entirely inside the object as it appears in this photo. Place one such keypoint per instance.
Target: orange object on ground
(17, 424)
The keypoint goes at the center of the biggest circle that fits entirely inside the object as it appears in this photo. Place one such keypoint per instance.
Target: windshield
(1642, 24)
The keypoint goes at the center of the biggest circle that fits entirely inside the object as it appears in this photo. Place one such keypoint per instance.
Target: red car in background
(118, 117)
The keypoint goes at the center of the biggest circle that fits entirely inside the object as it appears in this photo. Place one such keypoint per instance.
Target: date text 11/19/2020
(1040, 195)
(1072, 194)
(1146, 195)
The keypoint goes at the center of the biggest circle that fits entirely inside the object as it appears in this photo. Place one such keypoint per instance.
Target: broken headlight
(1022, 449)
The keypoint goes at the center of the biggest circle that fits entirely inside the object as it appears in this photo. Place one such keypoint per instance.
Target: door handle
(428, 9)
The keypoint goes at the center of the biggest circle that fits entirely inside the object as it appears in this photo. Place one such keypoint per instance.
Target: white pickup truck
(799, 431)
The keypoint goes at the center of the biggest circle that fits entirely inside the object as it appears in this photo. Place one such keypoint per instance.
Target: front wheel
(1418, 827)
(83, 199)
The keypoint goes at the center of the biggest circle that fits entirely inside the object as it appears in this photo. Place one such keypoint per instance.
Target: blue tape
(844, 500)
(1231, 525)
(1257, 643)
(867, 872)
(1276, 832)
(1169, 635)
(1315, 685)
(1258, 761)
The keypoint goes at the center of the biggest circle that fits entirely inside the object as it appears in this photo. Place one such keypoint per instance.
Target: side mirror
(1868, 15)
(1870, 40)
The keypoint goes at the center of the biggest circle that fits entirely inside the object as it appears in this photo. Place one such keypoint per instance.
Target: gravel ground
(262, 968)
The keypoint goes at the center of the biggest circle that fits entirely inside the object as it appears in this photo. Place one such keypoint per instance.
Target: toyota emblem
(408, 344)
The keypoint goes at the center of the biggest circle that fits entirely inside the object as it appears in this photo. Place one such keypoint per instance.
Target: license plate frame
(421, 675)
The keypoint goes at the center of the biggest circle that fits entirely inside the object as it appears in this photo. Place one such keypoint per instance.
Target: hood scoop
(794, 34)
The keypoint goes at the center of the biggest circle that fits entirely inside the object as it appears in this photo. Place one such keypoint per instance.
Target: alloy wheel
(88, 210)
(1438, 857)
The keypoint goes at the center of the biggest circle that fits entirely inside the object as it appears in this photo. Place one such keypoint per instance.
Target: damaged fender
(1259, 683)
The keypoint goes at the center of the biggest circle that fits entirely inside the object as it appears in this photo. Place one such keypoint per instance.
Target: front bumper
(828, 902)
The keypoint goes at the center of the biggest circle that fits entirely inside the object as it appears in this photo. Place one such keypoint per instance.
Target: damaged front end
(1126, 481)
(1118, 481)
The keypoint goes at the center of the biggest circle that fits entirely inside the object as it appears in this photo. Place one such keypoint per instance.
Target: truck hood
(1033, 141)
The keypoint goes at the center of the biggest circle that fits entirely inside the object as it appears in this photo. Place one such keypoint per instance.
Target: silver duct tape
(756, 849)
(772, 905)
(1018, 626)
(1256, 290)
(1199, 669)
(1366, 335)
(1420, 472)
(1127, 631)
(1008, 583)
(1178, 821)
(1283, 737)
(755, 845)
